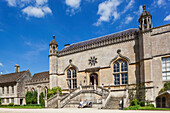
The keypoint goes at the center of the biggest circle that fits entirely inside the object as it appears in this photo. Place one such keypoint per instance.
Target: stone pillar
(10, 90)
(38, 91)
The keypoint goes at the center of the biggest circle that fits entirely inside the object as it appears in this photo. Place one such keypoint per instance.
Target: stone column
(10, 90)
(38, 91)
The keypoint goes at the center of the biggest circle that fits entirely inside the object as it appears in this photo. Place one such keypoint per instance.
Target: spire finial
(53, 36)
(144, 7)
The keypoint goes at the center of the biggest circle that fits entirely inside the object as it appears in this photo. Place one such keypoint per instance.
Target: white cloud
(107, 10)
(139, 11)
(1, 64)
(34, 8)
(36, 11)
(12, 2)
(73, 3)
(41, 2)
(160, 2)
(167, 18)
(130, 5)
(128, 19)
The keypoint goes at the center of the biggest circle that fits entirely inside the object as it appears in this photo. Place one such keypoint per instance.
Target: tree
(41, 99)
(28, 97)
(31, 97)
(53, 91)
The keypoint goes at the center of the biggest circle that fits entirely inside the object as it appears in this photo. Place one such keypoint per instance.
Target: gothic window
(163, 102)
(2, 90)
(12, 89)
(32, 90)
(7, 89)
(166, 68)
(120, 72)
(158, 102)
(72, 78)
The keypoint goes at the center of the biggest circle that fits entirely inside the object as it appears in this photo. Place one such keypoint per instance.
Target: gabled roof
(95, 40)
(42, 75)
(12, 77)
(165, 92)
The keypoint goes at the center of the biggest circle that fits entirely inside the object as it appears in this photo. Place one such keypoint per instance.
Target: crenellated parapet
(160, 29)
(38, 81)
(115, 38)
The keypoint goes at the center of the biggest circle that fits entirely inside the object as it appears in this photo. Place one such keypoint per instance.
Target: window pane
(123, 66)
(74, 83)
(116, 67)
(69, 73)
(164, 78)
(168, 77)
(168, 73)
(69, 83)
(74, 73)
(163, 65)
(124, 78)
(164, 74)
(116, 79)
(168, 59)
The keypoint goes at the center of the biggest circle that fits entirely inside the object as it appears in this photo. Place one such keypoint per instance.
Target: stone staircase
(59, 101)
(113, 103)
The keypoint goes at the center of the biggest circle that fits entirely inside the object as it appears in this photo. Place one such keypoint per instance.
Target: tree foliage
(166, 87)
(31, 97)
(53, 91)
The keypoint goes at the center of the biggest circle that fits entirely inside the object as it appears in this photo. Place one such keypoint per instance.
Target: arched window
(72, 78)
(158, 102)
(32, 90)
(163, 102)
(120, 72)
(45, 92)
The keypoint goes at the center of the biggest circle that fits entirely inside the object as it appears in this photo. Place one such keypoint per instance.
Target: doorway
(94, 79)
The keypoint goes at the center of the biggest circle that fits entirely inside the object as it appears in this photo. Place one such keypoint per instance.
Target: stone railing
(60, 101)
(161, 29)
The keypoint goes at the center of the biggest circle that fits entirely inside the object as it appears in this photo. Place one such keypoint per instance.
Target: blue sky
(27, 26)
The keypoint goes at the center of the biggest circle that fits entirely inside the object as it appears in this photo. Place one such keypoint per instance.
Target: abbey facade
(110, 69)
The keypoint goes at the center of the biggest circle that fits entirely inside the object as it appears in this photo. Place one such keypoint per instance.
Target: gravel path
(73, 110)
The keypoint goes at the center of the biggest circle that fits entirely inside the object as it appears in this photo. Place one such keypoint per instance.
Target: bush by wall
(0, 101)
(53, 91)
(31, 97)
(11, 104)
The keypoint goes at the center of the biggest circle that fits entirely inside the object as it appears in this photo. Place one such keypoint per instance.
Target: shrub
(53, 91)
(0, 101)
(134, 107)
(142, 103)
(41, 99)
(31, 97)
(28, 97)
(11, 104)
(34, 97)
(167, 85)
(134, 102)
(150, 105)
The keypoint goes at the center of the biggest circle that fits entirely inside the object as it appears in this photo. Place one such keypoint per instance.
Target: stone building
(135, 60)
(106, 71)
(39, 83)
(12, 86)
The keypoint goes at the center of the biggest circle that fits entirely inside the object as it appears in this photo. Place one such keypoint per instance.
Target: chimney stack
(1, 72)
(16, 68)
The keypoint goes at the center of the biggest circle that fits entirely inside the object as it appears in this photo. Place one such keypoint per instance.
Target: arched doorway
(94, 79)
(163, 102)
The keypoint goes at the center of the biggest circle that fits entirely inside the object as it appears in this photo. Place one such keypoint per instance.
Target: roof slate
(12, 77)
(75, 45)
(42, 75)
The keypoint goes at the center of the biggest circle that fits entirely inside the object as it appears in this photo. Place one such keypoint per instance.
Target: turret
(53, 46)
(145, 20)
(53, 63)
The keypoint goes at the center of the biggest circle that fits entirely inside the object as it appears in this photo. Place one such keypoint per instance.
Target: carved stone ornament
(92, 61)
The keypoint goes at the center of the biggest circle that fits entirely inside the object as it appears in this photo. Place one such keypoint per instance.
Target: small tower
(145, 20)
(53, 46)
(53, 63)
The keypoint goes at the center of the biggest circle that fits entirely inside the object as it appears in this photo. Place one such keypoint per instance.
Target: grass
(22, 106)
(146, 108)
(153, 108)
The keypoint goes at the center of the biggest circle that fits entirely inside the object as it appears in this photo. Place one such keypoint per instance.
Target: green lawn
(152, 108)
(23, 107)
